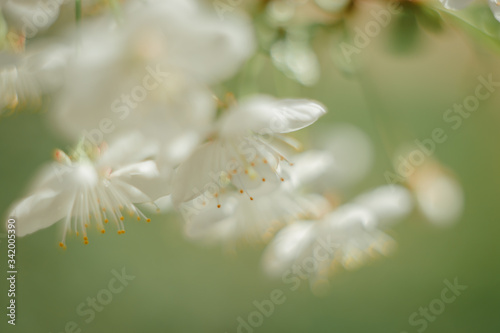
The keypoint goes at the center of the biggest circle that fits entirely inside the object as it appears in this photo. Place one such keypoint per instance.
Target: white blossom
(247, 149)
(240, 219)
(26, 77)
(152, 75)
(348, 236)
(93, 185)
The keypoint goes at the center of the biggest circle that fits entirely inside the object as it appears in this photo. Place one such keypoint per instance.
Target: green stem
(373, 103)
(78, 11)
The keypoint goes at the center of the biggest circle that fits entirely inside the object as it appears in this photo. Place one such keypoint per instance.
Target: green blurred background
(184, 287)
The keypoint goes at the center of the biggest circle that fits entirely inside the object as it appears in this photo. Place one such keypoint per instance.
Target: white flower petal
(441, 199)
(495, 8)
(350, 216)
(211, 50)
(201, 172)
(39, 211)
(126, 149)
(132, 193)
(265, 115)
(21, 14)
(24, 78)
(218, 164)
(146, 177)
(352, 154)
(211, 224)
(389, 203)
(456, 4)
(308, 167)
(288, 245)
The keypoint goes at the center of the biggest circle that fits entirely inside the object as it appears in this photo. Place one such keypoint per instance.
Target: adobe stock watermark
(121, 108)
(363, 37)
(420, 319)
(454, 117)
(126, 103)
(323, 250)
(89, 308)
(224, 6)
(46, 12)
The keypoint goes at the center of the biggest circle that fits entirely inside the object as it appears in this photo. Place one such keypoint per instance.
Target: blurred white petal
(309, 167)
(296, 60)
(495, 8)
(267, 114)
(39, 211)
(29, 17)
(288, 245)
(456, 4)
(441, 199)
(389, 203)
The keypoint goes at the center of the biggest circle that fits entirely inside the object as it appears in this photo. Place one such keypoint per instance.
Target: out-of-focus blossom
(26, 18)
(333, 5)
(25, 77)
(152, 75)
(240, 219)
(290, 31)
(351, 153)
(93, 185)
(250, 221)
(303, 12)
(461, 4)
(296, 59)
(348, 236)
(439, 195)
(247, 148)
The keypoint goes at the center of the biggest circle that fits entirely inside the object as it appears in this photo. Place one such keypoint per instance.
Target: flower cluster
(134, 84)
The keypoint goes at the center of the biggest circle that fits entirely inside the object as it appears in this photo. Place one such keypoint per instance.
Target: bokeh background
(181, 286)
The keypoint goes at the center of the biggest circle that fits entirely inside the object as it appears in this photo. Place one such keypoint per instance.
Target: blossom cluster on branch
(134, 84)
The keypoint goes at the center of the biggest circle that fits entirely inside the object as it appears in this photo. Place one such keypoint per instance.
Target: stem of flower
(78, 11)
